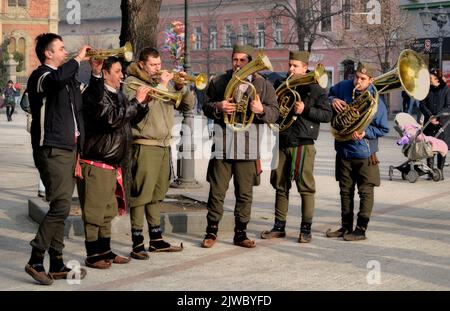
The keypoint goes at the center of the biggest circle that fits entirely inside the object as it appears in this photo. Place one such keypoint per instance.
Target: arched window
(12, 45)
(21, 46)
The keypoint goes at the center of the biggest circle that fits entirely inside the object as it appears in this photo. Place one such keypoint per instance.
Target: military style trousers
(98, 201)
(56, 169)
(281, 181)
(244, 177)
(151, 173)
(356, 172)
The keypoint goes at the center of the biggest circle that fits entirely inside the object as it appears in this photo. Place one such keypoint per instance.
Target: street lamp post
(441, 20)
(186, 147)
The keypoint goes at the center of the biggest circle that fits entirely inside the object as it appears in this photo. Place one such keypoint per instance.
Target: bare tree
(139, 22)
(379, 38)
(308, 20)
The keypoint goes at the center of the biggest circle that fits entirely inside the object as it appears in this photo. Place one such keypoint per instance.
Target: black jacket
(437, 101)
(306, 128)
(56, 104)
(108, 117)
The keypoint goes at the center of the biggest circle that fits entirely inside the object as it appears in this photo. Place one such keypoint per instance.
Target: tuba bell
(287, 95)
(240, 119)
(411, 75)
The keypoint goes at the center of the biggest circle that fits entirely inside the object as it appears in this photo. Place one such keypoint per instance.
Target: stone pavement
(408, 236)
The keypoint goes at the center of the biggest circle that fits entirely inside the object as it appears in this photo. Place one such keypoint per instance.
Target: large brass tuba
(240, 120)
(411, 74)
(287, 95)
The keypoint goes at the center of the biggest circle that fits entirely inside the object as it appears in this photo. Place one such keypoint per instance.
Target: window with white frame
(198, 38)
(245, 34)
(261, 35)
(213, 38)
(277, 35)
(19, 3)
(227, 32)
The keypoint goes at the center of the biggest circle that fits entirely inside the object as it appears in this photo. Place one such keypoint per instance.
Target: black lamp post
(441, 20)
(186, 147)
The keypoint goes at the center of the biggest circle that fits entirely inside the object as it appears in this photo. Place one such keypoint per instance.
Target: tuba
(157, 93)
(240, 119)
(287, 95)
(411, 74)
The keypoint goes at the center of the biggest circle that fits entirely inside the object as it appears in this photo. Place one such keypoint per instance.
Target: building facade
(20, 22)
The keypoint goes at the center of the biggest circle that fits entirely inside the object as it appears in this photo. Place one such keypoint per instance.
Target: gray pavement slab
(408, 245)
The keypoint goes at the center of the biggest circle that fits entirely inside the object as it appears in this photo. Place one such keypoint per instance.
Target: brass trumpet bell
(125, 51)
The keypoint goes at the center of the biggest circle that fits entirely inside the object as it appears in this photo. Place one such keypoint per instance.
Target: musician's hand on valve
(358, 136)
(338, 105)
(165, 78)
(142, 94)
(179, 83)
(299, 107)
(226, 106)
(434, 121)
(256, 105)
(81, 56)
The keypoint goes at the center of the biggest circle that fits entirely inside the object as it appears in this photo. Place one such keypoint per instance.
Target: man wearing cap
(356, 162)
(297, 152)
(236, 153)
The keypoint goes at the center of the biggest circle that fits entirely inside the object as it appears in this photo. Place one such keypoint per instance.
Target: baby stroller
(417, 148)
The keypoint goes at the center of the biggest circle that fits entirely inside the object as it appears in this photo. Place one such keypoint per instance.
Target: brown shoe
(272, 234)
(120, 259)
(247, 243)
(209, 240)
(142, 255)
(304, 237)
(336, 234)
(169, 248)
(100, 264)
(41, 277)
(63, 274)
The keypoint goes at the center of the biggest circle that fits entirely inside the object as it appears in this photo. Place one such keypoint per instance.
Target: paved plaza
(408, 245)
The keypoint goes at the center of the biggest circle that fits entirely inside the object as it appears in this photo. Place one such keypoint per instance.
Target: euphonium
(243, 120)
(287, 95)
(157, 93)
(411, 74)
(125, 51)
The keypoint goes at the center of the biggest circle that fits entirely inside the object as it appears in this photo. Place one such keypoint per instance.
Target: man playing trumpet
(150, 151)
(356, 163)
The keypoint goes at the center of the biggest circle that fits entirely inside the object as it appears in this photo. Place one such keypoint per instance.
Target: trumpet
(125, 51)
(200, 81)
(157, 93)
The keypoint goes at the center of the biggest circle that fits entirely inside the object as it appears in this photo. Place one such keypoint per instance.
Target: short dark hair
(438, 74)
(10, 81)
(107, 63)
(147, 52)
(43, 42)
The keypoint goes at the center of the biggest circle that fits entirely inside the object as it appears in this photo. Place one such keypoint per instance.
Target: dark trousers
(10, 111)
(56, 169)
(351, 173)
(244, 177)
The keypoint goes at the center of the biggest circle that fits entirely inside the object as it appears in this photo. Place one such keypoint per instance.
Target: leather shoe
(208, 243)
(100, 264)
(120, 259)
(63, 274)
(142, 255)
(247, 243)
(272, 234)
(336, 234)
(41, 277)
